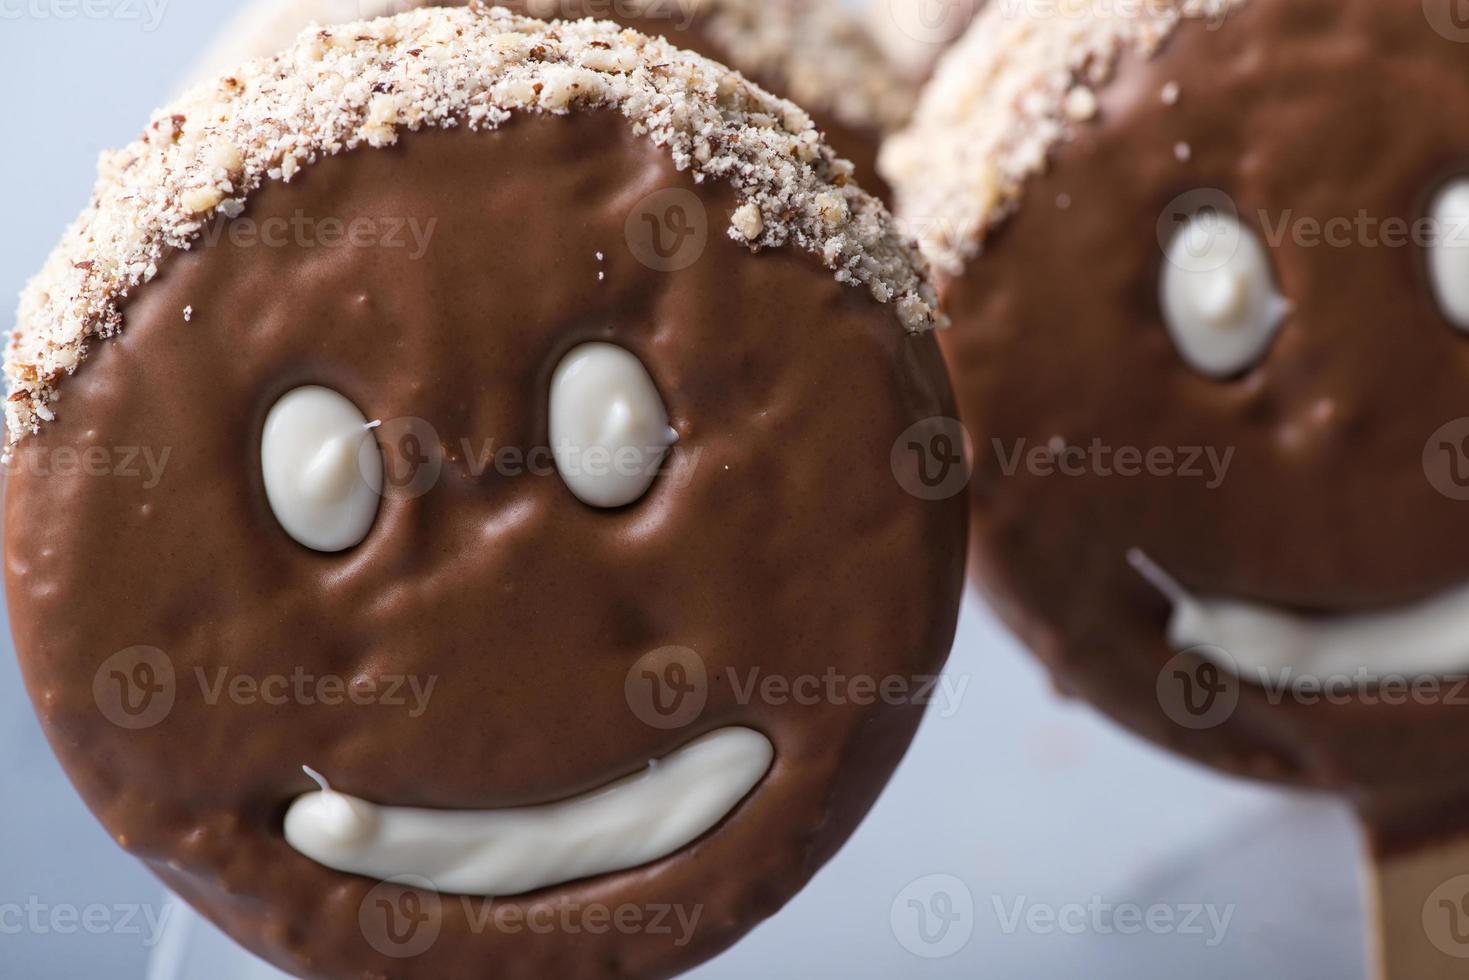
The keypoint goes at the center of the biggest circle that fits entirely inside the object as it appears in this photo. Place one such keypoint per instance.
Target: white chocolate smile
(1264, 643)
(631, 822)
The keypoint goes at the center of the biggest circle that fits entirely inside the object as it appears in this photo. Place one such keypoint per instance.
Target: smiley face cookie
(1207, 269)
(524, 400)
(817, 53)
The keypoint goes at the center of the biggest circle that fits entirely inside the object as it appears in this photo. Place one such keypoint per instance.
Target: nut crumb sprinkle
(1017, 85)
(360, 84)
(818, 52)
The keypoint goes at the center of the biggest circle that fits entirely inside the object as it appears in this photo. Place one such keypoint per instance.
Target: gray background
(1023, 799)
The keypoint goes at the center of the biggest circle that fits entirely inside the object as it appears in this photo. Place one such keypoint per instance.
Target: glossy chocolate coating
(789, 546)
(1297, 109)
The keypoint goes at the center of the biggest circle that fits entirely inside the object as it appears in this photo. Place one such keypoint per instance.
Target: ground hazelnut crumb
(365, 85)
(198, 200)
(748, 222)
(1019, 84)
(1081, 104)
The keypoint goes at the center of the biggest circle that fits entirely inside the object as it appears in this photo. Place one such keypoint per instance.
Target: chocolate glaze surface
(1297, 109)
(781, 542)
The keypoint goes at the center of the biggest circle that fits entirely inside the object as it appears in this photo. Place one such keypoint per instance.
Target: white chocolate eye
(609, 429)
(1448, 253)
(1218, 300)
(322, 469)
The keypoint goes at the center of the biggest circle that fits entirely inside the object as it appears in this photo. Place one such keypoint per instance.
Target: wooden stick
(1420, 903)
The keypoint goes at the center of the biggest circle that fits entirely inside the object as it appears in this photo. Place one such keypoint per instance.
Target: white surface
(321, 467)
(1278, 649)
(642, 818)
(1015, 794)
(1448, 259)
(609, 429)
(1217, 294)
